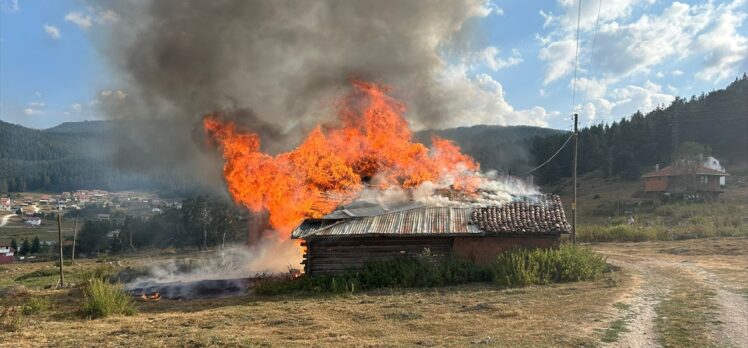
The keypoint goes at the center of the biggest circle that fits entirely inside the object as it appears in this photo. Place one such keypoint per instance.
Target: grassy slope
(607, 203)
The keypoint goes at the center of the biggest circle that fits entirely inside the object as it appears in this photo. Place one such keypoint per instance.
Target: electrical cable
(553, 156)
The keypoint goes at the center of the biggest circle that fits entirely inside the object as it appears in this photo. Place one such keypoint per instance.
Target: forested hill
(505, 149)
(67, 157)
(73, 155)
(635, 144)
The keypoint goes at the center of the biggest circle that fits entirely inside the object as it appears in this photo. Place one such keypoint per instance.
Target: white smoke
(272, 255)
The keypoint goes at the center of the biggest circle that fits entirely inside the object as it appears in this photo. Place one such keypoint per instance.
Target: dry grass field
(685, 293)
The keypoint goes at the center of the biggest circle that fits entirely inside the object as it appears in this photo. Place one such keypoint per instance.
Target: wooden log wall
(337, 255)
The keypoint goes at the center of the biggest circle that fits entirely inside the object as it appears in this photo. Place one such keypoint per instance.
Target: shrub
(103, 272)
(40, 273)
(395, 273)
(36, 305)
(515, 267)
(618, 233)
(102, 299)
(518, 266)
(14, 290)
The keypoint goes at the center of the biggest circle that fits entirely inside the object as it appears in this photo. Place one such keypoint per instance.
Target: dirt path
(733, 307)
(656, 276)
(5, 218)
(652, 285)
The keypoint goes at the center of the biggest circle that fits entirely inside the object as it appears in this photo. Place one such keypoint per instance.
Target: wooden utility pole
(59, 241)
(574, 182)
(75, 235)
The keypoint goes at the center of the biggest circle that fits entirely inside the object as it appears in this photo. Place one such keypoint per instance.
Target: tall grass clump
(36, 305)
(617, 233)
(519, 266)
(103, 299)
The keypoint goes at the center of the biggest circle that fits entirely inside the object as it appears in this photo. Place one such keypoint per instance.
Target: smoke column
(277, 65)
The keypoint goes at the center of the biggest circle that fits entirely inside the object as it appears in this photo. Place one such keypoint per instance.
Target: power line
(576, 61)
(594, 34)
(553, 156)
(573, 94)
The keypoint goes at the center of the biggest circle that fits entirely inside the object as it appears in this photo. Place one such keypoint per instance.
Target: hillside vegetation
(635, 144)
(505, 149)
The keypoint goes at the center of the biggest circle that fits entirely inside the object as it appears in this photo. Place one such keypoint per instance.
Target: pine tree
(35, 245)
(14, 244)
(25, 247)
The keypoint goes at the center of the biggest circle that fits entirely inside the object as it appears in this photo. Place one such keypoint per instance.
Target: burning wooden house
(362, 232)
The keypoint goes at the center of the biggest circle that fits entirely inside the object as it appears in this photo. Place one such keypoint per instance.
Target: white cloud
(76, 107)
(488, 8)
(52, 31)
(542, 92)
(624, 49)
(490, 57)
(624, 101)
(10, 6)
(79, 19)
(625, 46)
(677, 72)
(723, 47)
(592, 88)
(86, 20)
(34, 108)
(660, 74)
(480, 100)
(559, 56)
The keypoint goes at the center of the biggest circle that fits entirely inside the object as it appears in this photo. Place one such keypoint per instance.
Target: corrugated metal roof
(532, 215)
(363, 208)
(416, 221)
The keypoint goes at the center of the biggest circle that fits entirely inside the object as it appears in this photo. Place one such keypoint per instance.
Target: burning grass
(516, 267)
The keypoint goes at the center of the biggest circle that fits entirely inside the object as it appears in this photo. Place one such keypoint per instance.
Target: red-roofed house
(682, 177)
(6, 254)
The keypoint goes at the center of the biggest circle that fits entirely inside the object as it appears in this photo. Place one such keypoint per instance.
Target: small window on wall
(704, 179)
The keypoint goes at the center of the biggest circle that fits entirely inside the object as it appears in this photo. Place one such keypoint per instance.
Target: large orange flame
(373, 144)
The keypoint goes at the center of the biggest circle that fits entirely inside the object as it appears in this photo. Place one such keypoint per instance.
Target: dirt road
(685, 293)
(4, 219)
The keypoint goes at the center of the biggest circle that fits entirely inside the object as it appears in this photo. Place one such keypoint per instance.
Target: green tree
(92, 236)
(25, 248)
(36, 245)
(14, 244)
(692, 151)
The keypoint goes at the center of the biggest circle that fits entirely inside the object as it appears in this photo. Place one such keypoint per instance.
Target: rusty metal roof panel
(418, 221)
(538, 215)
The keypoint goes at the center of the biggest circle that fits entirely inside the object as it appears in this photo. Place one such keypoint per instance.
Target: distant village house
(687, 177)
(6, 254)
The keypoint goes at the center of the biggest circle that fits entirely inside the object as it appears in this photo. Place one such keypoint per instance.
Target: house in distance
(685, 177)
(364, 232)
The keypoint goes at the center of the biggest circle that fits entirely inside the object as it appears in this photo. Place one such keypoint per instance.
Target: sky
(518, 70)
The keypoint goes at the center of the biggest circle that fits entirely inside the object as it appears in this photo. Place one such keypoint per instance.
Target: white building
(712, 163)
